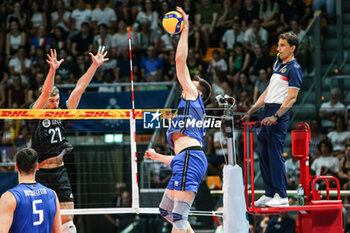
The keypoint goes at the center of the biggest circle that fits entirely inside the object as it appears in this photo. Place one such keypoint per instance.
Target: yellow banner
(78, 113)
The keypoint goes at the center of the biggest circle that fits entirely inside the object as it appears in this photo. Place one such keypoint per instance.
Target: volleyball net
(107, 161)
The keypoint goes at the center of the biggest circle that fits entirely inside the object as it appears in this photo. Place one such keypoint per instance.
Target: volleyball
(173, 22)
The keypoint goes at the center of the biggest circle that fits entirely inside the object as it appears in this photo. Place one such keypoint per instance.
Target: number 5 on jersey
(39, 212)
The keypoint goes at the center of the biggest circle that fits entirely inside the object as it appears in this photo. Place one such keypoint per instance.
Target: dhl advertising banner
(106, 112)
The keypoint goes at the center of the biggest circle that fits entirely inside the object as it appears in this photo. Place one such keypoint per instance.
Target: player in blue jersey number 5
(29, 207)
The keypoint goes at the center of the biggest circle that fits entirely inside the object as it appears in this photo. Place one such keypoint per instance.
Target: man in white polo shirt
(278, 98)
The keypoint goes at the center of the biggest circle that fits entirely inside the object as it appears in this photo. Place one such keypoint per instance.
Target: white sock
(69, 227)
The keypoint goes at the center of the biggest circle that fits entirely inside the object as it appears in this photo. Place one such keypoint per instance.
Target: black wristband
(276, 115)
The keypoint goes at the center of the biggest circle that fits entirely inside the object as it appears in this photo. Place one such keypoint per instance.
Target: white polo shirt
(288, 75)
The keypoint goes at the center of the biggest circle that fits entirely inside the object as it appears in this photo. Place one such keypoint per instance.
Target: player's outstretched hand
(100, 56)
(52, 60)
(184, 16)
(150, 154)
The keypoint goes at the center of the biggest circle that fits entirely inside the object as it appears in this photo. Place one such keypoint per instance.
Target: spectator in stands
(292, 173)
(269, 14)
(14, 38)
(249, 11)
(255, 35)
(228, 13)
(297, 29)
(167, 43)
(220, 85)
(344, 167)
(205, 20)
(238, 61)
(326, 162)
(20, 65)
(231, 36)
(68, 68)
(103, 15)
(339, 136)
(81, 64)
(37, 17)
(146, 37)
(103, 38)
(261, 84)
(281, 223)
(59, 38)
(261, 223)
(244, 101)
(169, 67)
(10, 130)
(191, 9)
(330, 7)
(124, 220)
(17, 93)
(40, 40)
(316, 138)
(217, 65)
(259, 60)
(293, 10)
(331, 109)
(122, 199)
(79, 16)
(151, 63)
(122, 70)
(24, 139)
(61, 17)
(34, 85)
(245, 84)
(194, 63)
(17, 15)
(82, 42)
(120, 39)
(4, 69)
(147, 14)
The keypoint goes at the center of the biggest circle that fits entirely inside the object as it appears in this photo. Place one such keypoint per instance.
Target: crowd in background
(232, 44)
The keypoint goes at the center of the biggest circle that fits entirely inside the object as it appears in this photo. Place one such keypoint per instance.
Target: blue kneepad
(180, 220)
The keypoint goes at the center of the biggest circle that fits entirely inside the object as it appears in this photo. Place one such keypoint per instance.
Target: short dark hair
(327, 144)
(291, 38)
(204, 87)
(26, 160)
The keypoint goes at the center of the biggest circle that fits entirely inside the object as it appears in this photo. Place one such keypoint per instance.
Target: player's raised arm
(49, 81)
(183, 74)
(84, 81)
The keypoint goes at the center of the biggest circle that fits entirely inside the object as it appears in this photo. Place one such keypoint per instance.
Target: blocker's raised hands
(52, 59)
(100, 56)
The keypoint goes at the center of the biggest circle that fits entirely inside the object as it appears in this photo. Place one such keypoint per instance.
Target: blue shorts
(189, 167)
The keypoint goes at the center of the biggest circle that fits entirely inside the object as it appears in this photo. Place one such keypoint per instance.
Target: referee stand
(319, 214)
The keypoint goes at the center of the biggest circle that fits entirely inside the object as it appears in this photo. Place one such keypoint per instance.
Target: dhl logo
(14, 113)
(77, 114)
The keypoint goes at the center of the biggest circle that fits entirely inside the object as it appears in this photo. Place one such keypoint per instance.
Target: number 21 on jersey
(53, 133)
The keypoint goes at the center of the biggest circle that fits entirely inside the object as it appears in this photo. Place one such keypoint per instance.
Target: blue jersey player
(29, 207)
(278, 98)
(185, 137)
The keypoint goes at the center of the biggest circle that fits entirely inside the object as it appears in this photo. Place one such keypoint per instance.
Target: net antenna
(134, 174)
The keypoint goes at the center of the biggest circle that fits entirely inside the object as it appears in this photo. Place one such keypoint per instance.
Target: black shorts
(56, 179)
